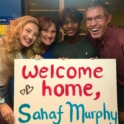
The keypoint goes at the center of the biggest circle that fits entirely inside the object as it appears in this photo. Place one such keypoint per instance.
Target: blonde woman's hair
(10, 42)
(35, 49)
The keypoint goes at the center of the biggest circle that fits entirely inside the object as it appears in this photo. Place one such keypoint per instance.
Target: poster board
(5, 22)
(72, 91)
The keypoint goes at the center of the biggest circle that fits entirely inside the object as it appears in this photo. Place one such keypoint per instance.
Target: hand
(94, 58)
(37, 57)
(62, 58)
(7, 113)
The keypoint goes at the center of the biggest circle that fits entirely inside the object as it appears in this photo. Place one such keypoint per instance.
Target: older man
(109, 40)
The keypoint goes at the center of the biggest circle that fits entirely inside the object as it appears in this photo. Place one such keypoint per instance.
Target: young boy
(73, 45)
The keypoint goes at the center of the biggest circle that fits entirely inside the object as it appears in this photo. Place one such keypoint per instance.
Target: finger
(40, 57)
(62, 58)
(92, 58)
(11, 119)
(32, 57)
(6, 118)
(36, 55)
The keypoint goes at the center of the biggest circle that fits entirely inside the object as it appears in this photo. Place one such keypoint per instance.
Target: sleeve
(12, 87)
(122, 47)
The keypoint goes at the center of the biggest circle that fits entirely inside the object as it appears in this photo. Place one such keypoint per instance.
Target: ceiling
(80, 4)
(113, 4)
(53, 7)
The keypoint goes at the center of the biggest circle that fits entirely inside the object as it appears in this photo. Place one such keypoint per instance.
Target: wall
(118, 18)
(10, 8)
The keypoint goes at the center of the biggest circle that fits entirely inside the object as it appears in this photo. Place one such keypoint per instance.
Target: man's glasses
(97, 19)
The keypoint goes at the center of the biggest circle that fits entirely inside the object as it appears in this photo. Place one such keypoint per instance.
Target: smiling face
(70, 27)
(47, 35)
(97, 28)
(29, 34)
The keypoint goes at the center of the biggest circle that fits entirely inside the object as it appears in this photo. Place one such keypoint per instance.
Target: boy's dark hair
(71, 13)
(99, 3)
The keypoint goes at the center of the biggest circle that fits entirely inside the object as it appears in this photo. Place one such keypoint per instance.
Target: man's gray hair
(101, 4)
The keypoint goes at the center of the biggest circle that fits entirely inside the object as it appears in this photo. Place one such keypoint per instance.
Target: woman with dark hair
(49, 34)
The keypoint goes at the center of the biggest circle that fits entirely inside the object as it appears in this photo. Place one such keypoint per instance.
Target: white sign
(72, 91)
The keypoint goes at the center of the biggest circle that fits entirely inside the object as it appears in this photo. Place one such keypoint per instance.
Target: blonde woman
(15, 44)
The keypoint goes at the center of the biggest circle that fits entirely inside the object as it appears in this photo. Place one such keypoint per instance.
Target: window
(53, 7)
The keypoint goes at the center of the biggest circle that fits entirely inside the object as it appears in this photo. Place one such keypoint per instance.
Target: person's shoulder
(62, 42)
(86, 40)
(115, 30)
(57, 49)
(115, 33)
(59, 44)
